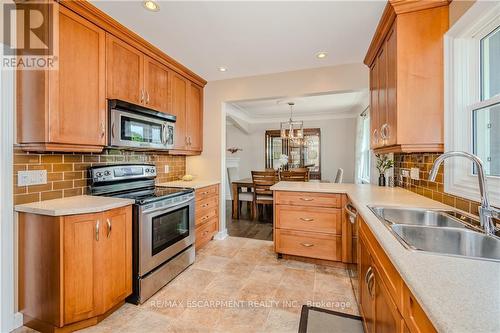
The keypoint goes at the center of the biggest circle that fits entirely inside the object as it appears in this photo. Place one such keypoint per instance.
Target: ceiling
(253, 37)
(327, 106)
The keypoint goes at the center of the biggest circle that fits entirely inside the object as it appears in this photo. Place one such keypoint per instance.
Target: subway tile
(26, 159)
(73, 175)
(72, 192)
(51, 195)
(26, 198)
(462, 204)
(62, 167)
(80, 183)
(54, 176)
(91, 158)
(449, 200)
(40, 188)
(73, 158)
(66, 184)
(52, 159)
(47, 167)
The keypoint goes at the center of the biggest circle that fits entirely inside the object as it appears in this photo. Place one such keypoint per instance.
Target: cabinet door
(179, 88)
(382, 95)
(366, 287)
(156, 85)
(194, 118)
(387, 317)
(374, 114)
(125, 71)
(391, 120)
(83, 273)
(117, 255)
(78, 107)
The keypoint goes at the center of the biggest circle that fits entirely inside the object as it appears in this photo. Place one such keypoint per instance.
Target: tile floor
(236, 285)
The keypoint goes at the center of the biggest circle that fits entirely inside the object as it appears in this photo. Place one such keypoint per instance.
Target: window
(472, 93)
(365, 150)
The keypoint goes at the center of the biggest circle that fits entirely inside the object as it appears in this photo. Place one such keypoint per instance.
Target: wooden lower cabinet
(386, 304)
(73, 270)
(309, 225)
(206, 214)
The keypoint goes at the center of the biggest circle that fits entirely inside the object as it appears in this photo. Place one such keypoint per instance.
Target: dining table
(248, 184)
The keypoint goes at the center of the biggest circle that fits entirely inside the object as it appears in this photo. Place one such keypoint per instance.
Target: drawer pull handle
(204, 205)
(204, 217)
(306, 199)
(203, 193)
(307, 219)
(307, 244)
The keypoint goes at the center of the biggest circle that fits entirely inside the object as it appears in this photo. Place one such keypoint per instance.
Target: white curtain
(358, 165)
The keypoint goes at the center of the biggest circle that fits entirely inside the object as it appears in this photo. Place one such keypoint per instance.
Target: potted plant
(383, 164)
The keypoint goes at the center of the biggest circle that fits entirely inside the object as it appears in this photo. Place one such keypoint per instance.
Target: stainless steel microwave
(136, 127)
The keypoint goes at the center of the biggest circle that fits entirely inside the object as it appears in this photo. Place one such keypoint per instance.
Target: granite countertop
(194, 184)
(457, 294)
(81, 204)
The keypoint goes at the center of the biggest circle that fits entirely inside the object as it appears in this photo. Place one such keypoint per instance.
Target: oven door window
(137, 130)
(169, 228)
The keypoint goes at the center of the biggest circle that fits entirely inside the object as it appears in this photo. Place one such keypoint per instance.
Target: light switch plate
(32, 177)
(415, 173)
(405, 173)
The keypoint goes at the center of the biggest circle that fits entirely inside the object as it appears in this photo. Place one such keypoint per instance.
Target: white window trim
(462, 90)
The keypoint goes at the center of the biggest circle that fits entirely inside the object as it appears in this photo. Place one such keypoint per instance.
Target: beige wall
(297, 83)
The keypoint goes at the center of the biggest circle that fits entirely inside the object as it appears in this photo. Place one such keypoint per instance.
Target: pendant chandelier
(292, 130)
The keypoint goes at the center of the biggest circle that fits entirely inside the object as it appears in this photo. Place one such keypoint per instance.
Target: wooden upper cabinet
(194, 117)
(65, 109)
(406, 77)
(179, 88)
(156, 80)
(82, 269)
(125, 71)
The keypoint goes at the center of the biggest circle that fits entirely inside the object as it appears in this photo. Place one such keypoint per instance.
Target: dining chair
(242, 196)
(294, 176)
(340, 175)
(302, 170)
(262, 181)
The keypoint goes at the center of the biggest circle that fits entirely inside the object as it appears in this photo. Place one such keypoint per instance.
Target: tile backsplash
(67, 172)
(433, 190)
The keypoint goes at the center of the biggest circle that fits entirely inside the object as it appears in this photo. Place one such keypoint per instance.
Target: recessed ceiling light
(321, 55)
(222, 69)
(151, 5)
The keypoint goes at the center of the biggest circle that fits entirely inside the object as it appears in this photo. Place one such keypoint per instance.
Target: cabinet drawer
(316, 219)
(309, 199)
(207, 203)
(205, 233)
(205, 215)
(309, 244)
(205, 192)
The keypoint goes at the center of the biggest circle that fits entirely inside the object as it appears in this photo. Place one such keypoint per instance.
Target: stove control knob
(107, 173)
(147, 170)
(98, 174)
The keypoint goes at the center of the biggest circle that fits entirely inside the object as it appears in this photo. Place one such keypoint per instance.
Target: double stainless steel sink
(438, 231)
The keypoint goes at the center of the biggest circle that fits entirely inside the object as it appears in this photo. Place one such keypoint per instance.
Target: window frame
(366, 151)
(462, 52)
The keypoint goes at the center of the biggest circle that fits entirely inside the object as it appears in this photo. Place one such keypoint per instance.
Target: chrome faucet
(486, 212)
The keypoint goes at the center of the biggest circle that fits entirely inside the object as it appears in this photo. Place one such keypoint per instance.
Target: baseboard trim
(221, 235)
(18, 320)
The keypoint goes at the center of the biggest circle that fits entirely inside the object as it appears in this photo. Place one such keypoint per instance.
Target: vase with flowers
(383, 164)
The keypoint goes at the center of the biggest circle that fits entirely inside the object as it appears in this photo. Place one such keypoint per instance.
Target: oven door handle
(167, 208)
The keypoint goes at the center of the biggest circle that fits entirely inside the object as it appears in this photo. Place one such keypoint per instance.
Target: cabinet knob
(307, 244)
(307, 219)
(385, 132)
(306, 199)
(375, 136)
(147, 97)
(142, 95)
(103, 129)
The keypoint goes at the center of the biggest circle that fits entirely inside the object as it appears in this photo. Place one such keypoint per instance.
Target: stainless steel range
(163, 224)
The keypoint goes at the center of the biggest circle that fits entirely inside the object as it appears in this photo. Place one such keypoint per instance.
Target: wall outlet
(415, 173)
(32, 177)
(167, 169)
(405, 173)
